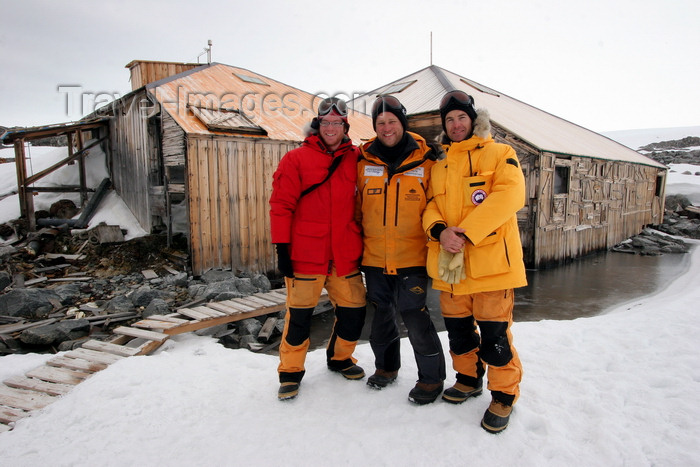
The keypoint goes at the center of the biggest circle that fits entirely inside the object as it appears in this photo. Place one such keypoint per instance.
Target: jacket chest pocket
(477, 188)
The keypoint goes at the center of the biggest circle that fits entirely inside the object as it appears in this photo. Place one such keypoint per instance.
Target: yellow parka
(479, 187)
(391, 204)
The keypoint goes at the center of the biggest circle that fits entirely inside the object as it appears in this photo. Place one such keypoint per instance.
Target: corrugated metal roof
(281, 110)
(541, 129)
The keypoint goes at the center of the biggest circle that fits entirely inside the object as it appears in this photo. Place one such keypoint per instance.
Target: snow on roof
(421, 92)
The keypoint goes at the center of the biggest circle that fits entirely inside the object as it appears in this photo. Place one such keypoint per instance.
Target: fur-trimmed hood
(481, 128)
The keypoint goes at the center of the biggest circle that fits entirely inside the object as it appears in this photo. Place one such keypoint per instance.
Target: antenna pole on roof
(207, 50)
(431, 48)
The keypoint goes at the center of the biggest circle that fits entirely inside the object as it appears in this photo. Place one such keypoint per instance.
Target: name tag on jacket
(374, 171)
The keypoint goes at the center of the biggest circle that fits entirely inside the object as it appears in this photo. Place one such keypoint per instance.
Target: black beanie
(388, 104)
(457, 103)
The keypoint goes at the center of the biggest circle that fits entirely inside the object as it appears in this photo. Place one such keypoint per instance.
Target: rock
(158, 306)
(69, 293)
(40, 336)
(245, 286)
(6, 252)
(226, 296)
(261, 282)
(213, 289)
(119, 304)
(71, 329)
(249, 327)
(29, 303)
(5, 280)
(175, 280)
(144, 295)
(217, 275)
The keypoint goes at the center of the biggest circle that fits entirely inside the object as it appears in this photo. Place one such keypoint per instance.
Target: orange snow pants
(347, 294)
(491, 344)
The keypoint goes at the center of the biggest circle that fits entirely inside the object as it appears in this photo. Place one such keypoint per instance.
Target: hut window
(479, 87)
(250, 79)
(398, 87)
(561, 180)
(226, 120)
(659, 184)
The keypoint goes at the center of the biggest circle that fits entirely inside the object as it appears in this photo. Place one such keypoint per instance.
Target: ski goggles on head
(330, 103)
(459, 97)
(384, 103)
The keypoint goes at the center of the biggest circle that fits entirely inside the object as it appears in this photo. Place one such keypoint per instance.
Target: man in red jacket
(319, 244)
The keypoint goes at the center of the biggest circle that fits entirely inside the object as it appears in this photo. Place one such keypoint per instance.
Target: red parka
(319, 226)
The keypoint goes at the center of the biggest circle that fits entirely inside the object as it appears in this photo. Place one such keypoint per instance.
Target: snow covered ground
(616, 389)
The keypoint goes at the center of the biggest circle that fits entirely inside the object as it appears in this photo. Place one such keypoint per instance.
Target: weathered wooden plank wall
(607, 202)
(229, 186)
(132, 157)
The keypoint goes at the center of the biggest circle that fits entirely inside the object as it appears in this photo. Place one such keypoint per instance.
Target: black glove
(284, 262)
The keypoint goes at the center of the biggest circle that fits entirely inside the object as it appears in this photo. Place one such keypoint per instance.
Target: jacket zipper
(396, 209)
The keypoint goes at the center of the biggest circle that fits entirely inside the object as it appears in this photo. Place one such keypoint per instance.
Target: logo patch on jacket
(374, 171)
(412, 195)
(478, 197)
(417, 290)
(374, 191)
(417, 172)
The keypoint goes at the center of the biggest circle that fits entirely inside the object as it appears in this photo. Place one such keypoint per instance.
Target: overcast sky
(603, 64)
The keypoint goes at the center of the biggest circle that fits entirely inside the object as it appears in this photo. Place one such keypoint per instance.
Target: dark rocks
(29, 303)
(55, 333)
(5, 280)
(158, 306)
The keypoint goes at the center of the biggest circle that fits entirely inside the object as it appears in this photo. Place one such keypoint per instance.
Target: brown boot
(381, 378)
(496, 417)
(460, 393)
(425, 393)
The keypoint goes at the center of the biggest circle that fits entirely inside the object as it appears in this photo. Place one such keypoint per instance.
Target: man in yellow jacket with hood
(475, 255)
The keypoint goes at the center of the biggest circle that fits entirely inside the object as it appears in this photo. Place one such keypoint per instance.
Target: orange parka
(390, 205)
(479, 187)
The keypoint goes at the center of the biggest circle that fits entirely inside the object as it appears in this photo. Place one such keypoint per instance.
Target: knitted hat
(457, 100)
(389, 104)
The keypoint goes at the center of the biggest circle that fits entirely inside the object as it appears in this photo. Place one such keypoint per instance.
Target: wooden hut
(585, 192)
(193, 150)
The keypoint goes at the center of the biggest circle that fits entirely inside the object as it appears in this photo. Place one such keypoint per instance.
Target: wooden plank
(150, 335)
(267, 328)
(211, 312)
(110, 348)
(57, 375)
(11, 328)
(261, 300)
(24, 399)
(236, 305)
(194, 314)
(244, 301)
(169, 319)
(149, 274)
(10, 415)
(154, 324)
(227, 310)
(76, 364)
(279, 292)
(276, 298)
(53, 389)
(93, 356)
(148, 347)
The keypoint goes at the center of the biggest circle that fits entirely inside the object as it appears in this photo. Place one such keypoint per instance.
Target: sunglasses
(387, 102)
(330, 103)
(459, 96)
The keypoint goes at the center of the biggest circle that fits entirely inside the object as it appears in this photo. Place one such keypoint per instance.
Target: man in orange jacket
(475, 257)
(312, 218)
(393, 176)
